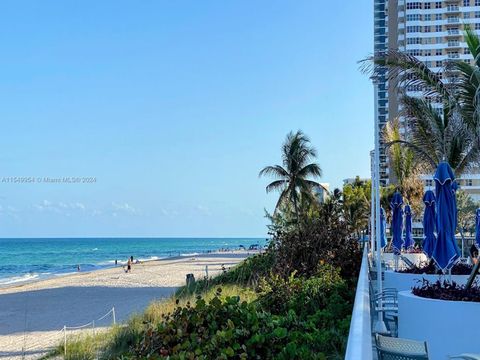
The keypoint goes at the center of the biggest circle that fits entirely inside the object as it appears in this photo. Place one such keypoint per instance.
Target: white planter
(448, 327)
(401, 281)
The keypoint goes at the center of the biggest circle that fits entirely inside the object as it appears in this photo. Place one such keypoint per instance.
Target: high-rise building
(381, 44)
(433, 32)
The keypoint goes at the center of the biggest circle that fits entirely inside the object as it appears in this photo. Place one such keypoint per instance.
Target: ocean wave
(190, 254)
(18, 279)
(151, 258)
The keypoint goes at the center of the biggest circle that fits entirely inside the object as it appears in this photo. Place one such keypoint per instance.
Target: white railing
(359, 344)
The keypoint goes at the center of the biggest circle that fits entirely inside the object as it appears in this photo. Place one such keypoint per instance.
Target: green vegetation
(294, 301)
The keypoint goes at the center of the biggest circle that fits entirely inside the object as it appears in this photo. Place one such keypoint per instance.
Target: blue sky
(173, 107)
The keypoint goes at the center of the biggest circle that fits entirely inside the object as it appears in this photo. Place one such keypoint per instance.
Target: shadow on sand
(51, 309)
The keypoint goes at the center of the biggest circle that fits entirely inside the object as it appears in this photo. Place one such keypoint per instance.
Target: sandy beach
(32, 315)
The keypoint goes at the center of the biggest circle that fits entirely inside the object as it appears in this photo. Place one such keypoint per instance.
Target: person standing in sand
(129, 266)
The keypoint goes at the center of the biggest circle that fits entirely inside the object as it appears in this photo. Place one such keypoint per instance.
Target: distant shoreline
(26, 260)
(224, 254)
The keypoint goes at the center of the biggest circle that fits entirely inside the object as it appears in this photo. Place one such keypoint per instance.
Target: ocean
(25, 260)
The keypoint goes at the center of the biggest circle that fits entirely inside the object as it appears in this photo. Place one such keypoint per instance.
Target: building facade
(433, 32)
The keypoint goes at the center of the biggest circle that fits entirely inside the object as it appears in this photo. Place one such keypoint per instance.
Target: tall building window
(466, 2)
(415, 52)
(477, 26)
(466, 15)
(426, 5)
(427, 17)
(438, 63)
(414, 17)
(466, 50)
(415, 41)
(477, 14)
(411, 29)
(438, 52)
(426, 29)
(438, 28)
(438, 16)
(438, 4)
(477, 2)
(428, 182)
(414, 5)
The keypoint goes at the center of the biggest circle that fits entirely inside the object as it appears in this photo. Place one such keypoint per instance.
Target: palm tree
(434, 134)
(292, 178)
(404, 167)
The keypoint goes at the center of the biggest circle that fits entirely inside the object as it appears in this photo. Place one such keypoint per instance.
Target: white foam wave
(190, 254)
(151, 258)
(18, 279)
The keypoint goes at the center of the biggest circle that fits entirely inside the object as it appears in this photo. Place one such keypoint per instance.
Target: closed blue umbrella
(446, 251)
(409, 242)
(383, 228)
(429, 223)
(397, 222)
(477, 228)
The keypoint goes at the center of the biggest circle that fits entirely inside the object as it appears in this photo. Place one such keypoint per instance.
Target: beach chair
(390, 348)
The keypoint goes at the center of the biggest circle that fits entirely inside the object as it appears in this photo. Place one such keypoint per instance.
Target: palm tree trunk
(295, 204)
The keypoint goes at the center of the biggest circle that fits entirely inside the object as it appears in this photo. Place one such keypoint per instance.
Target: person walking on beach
(129, 266)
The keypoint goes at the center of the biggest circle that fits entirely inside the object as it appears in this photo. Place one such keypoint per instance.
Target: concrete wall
(449, 327)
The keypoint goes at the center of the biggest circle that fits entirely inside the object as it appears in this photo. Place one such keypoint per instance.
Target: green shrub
(247, 273)
(303, 295)
(324, 239)
(229, 328)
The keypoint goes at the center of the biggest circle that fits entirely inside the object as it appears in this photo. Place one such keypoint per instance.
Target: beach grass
(115, 341)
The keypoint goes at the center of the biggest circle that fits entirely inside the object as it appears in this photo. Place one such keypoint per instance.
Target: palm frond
(405, 69)
(312, 169)
(473, 43)
(276, 171)
(277, 185)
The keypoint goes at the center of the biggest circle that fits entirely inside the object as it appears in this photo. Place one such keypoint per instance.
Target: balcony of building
(453, 33)
(453, 20)
(453, 9)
